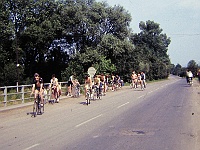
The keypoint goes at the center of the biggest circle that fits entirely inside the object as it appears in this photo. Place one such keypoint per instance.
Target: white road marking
(123, 105)
(31, 146)
(150, 92)
(88, 120)
(141, 96)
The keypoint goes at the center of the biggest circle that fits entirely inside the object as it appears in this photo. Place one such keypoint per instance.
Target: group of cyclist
(38, 88)
(138, 79)
(100, 82)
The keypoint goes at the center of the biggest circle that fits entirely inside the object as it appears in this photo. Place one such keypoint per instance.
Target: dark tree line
(68, 36)
(181, 71)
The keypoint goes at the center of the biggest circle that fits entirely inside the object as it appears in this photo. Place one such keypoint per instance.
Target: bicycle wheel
(100, 93)
(94, 94)
(38, 109)
(87, 98)
(39, 105)
(43, 108)
(131, 85)
(97, 93)
(34, 109)
(134, 86)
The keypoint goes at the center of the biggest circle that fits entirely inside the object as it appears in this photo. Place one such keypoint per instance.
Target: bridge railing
(10, 95)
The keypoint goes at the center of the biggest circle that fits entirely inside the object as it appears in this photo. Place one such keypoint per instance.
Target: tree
(67, 37)
(192, 66)
(151, 49)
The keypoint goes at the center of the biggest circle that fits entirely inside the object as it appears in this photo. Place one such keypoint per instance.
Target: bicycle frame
(98, 92)
(88, 95)
(37, 106)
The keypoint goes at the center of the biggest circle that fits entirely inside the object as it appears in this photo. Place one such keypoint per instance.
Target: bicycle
(190, 81)
(133, 85)
(141, 83)
(37, 107)
(97, 92)
(55, 95)
(88, 96)
(76, 91)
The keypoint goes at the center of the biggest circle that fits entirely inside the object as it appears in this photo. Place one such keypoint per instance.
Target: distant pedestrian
(187, 76)
(198, 75)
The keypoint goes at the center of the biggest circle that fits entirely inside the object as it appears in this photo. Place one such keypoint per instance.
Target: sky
(179, 19)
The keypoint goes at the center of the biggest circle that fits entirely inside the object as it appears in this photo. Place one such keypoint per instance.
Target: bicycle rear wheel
(42, 108)
(100, 93)
(39, 107)
(87, 98)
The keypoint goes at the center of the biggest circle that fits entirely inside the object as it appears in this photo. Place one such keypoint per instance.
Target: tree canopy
(67, 37)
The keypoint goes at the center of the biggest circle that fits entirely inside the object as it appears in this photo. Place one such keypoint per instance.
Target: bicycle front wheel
(35, 109)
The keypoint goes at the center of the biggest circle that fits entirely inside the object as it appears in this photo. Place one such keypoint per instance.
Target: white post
(5, 96)
(17, 87)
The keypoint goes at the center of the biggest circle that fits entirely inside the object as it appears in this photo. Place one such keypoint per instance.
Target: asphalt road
(162, 117)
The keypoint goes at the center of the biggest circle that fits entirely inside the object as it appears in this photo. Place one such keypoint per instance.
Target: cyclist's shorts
(87, 86)
(69, 83)
(37, 88)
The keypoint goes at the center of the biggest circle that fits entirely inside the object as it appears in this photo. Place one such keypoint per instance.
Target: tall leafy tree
(192, 66)
(152, 45)
(68, 36)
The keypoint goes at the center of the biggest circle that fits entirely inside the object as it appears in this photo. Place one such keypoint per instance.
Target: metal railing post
(22, 90)
(5, 96)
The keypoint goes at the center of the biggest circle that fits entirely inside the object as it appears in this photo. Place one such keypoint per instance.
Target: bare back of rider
(88, 83)
(55, 88)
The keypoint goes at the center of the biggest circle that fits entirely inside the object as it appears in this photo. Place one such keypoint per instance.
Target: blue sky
(179, 19)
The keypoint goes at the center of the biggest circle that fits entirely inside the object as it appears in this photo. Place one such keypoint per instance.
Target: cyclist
(190, 76)
(113, 82)
(139, 79)
(38, 87)
(97, 83)
(106, 83)
(143, 78)
(103, 85)
(88, 84)
(76, 88)
(116, 82)
(69, 85)
(54, 86)
(187, 76)
(134, 79)
(198, 74)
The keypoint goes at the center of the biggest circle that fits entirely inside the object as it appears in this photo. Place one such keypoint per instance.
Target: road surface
(162, 117)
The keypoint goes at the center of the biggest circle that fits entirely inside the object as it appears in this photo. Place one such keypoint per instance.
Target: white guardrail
(21, 93)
